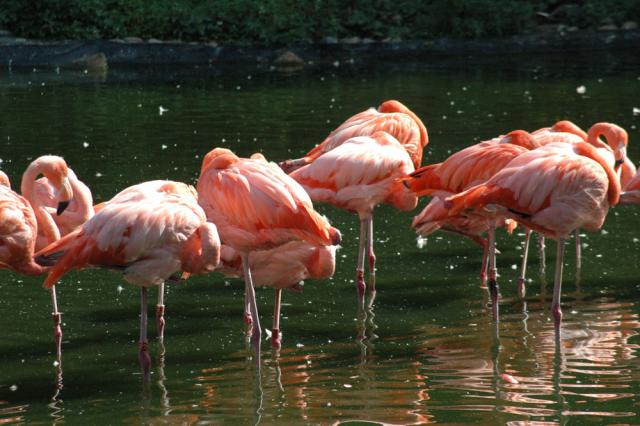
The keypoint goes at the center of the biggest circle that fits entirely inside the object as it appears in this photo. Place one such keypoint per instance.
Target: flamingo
(357, 176)
(148, 231)
(470, 166)
(391, 116)
(256, 206)
(552, 190)
(614, 150)
(282, 267)
(49, 197)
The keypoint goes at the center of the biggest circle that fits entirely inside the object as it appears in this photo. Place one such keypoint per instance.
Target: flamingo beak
(62, 205)
(65, 193)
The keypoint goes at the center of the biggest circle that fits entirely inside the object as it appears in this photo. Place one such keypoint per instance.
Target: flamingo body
(391, 117)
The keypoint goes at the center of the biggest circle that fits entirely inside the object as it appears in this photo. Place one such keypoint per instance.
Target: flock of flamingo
(255, 219)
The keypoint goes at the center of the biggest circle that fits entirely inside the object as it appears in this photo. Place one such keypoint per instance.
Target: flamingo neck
(81, 197)
(46, 224)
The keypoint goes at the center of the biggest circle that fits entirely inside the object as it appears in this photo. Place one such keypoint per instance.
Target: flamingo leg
(160, 322)
(541, 256)
(247, 312)
(275, 330)
(557, 287)
(372, 257)
(360, 285)
(485, 264)
(57, 323)
(493, 272)
(256, 332)
(143, 354)
(578, 252)
(523, 269)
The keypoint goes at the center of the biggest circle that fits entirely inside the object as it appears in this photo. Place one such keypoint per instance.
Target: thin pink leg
(372, 257)
(275, 331)
(578, 252)
(557, 287)
(523, 269)
(360, 284)
(485, 264)
(160, 322)
(57, 323)
(493, 272)
(256, 332)
(143, 354)
(247, 311)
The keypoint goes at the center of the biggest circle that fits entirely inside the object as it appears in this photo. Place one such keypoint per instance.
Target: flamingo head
(55, 169)
(616, 137)
(218, 158)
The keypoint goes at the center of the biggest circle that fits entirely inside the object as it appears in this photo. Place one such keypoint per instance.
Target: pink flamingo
(614, 151)
(49, 197)
(463, 169)
(357, 176)
(149, 231)
(552, 190)
(282, 267)
(391, 117)
(256, 206)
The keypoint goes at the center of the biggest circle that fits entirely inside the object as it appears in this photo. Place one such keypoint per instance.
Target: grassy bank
(288, 21)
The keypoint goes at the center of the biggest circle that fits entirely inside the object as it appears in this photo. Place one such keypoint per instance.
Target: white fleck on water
(581, 90)
(13, 388)
(162, 110)
(636, 111)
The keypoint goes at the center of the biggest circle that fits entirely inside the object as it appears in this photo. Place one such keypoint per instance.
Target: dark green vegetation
(286, 21)
(431, 351)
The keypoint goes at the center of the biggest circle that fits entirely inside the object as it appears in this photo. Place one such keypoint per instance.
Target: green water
(430, 352)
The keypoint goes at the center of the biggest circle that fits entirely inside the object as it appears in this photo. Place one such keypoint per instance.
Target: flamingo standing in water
(357, 176)
(470, 166)
(614, 151)
(256, 206)
(149, 231)
(553, 190)
(391, 116)
(50, 196)
(282, 267)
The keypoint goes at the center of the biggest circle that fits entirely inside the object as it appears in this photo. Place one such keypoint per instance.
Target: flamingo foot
(522, 290)
(483, 279)
(145, 359)
(276, 341)
(160, 322)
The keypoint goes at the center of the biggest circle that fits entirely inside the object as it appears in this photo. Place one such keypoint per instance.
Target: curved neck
(81, 196)
(46, 224)
(613, 193)
(569, 127)
(614, 135)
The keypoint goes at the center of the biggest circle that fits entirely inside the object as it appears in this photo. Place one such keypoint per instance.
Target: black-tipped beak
(62, 205)
(618, 163)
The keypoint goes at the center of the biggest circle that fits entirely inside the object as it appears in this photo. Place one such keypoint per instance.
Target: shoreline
(97, 55)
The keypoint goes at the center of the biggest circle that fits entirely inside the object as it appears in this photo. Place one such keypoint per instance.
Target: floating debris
(581, 90)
